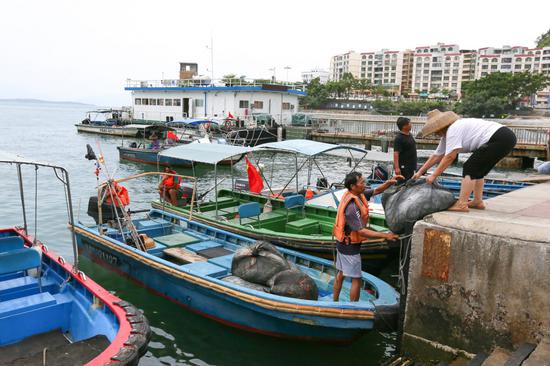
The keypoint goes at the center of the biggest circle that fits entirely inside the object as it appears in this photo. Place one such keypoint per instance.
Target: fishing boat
(50, 311)
(190, 263)
(284, 220)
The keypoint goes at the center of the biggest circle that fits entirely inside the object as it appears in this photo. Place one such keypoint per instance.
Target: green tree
(498, 93)
(317, 94)
(544, 39)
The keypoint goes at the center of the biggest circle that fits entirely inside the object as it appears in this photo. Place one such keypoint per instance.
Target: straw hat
(438, 120)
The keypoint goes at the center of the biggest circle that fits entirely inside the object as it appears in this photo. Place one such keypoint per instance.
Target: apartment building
(383, 68)
(344, 63)
(468, 65)
(437, 68)
(315, 73)
(407, 75)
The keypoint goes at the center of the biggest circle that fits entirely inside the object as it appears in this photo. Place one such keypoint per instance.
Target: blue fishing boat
(50, 311)
(190, 263)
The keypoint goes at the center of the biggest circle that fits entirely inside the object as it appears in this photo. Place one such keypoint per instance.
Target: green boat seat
(152, 224)
(178, 239)
(205, 269)
(303, 226)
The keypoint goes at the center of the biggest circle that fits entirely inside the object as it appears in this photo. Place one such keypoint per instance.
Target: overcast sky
(85, 50)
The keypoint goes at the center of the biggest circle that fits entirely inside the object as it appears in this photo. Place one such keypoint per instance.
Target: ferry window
(138, 101)
(258, 104)
(160, 101)
(168, 102)
(177, 102)
(243, 103)
(286, 106)
(199, 102)
(145, 101)
(152, 101)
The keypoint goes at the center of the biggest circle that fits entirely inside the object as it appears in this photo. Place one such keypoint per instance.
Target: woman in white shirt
(489, 142)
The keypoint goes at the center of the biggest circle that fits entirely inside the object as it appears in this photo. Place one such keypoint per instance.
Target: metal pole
(296, 160)
(216, 185)
(21, 193)
(71, 221)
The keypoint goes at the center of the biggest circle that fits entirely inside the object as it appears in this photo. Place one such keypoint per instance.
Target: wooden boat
(190, 264)
(50, 311)
(301, 227)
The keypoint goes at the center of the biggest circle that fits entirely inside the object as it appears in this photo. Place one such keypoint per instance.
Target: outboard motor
(380, 173)
(185, 192)
(322, 183)
(107, 211)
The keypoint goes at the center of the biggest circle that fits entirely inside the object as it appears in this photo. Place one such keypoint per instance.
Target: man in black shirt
(404, 149)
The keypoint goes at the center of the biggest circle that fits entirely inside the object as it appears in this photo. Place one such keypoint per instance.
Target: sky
(85, 51)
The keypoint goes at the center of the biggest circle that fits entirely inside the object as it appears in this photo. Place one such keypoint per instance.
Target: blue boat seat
(19, 260)
(205, 269)
(24, 286)
(24, 304)
(251, 209)
(203, 245)
(295, 201)
(223, 261)
(9, 243)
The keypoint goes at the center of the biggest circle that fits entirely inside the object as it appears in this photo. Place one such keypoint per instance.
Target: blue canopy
(205, 153)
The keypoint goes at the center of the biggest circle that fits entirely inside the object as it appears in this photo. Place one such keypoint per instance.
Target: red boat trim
(125, 344)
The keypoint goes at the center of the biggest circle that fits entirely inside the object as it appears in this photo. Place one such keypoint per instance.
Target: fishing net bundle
(410, 202)
(261, 263)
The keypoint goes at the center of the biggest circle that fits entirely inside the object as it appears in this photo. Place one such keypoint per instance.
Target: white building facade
(383, 68)
(155, 101)
(344, 63)
(323, 75)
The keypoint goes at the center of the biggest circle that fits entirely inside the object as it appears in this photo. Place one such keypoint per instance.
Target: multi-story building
(468, 65)
(344, 63)
(383, 68)
(407, 74)
(323, 75)
(437, 68)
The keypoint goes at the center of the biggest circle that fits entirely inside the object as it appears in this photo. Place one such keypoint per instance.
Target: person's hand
(416, 176)
(395, 178)
(397, 171)
(391, 236)
(431, 179)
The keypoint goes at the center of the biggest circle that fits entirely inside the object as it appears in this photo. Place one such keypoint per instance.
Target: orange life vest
(338, 231)
(309, 194)
(171, 181)
(122, 194)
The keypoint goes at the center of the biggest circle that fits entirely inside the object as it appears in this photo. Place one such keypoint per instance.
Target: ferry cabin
(172, 100)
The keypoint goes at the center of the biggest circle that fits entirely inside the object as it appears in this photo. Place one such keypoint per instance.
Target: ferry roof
(205, 153)
(216, 88)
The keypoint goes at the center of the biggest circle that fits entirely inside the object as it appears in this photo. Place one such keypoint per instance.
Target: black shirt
(406, 147)
(354, 223)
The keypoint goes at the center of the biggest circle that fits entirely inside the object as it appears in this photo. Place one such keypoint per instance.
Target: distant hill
(26, 100)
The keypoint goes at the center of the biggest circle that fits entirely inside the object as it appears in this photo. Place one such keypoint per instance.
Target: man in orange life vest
(349, 231)
(168, 187)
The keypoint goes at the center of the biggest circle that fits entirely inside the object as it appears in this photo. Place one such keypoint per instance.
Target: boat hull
(150, 156)
(108, 130)
(235, 311)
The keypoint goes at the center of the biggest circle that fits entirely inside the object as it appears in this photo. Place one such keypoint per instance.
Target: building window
(517, 67)
(145, 101)
(168, 102)
(160, 101)
(258, 104)
(494, 60)
(506, 60)
(243, 103)
(494, 67)
(287, 106)
(137, 101)
(199, 102)
(152, 101)
(177, 102)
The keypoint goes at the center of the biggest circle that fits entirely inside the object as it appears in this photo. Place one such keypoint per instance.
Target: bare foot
(459, 207)
(476, 205)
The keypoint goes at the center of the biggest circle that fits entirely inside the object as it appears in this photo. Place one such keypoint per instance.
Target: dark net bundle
(239, 281)
(258, 262)
(408, 203)
(293, 283)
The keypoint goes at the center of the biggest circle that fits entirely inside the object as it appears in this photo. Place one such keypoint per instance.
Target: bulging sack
(293, 283)
(258, 262)
(408, 203)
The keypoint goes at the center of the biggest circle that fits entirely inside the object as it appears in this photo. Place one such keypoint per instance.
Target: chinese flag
(230, 115)
(255, 182)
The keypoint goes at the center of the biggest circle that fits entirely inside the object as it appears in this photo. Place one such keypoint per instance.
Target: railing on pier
(206, 83)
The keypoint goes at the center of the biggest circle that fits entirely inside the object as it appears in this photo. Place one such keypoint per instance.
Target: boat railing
(211, 83)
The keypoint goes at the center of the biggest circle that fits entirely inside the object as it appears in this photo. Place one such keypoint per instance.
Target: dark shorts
(407, 172)
(488, 155)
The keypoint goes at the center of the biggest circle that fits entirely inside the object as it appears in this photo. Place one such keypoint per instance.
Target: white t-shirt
(467, 134)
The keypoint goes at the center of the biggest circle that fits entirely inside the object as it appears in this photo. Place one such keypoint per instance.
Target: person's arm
(387, 184)
(444, 164)
(396, 166)
(367, 233)
(434, 159)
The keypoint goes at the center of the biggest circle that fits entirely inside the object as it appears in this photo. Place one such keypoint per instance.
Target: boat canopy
(7, 157)
(311, 148)
(205, 153)
(191, 122)
(149, 127)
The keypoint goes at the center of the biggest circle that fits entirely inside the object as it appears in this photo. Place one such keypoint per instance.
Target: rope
(403, 256)
(35, 202)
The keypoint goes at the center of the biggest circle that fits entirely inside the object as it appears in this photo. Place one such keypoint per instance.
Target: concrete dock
(480, 280)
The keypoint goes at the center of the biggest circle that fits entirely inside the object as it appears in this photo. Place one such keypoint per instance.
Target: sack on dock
(544, 168)
(408, 203)
(239, 281)
(258, 262)
(293, 283)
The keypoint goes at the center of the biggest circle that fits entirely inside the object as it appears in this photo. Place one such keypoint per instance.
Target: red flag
(255, 182)
(230, 115)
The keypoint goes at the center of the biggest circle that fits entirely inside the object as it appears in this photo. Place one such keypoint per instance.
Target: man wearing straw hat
(488, 141)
